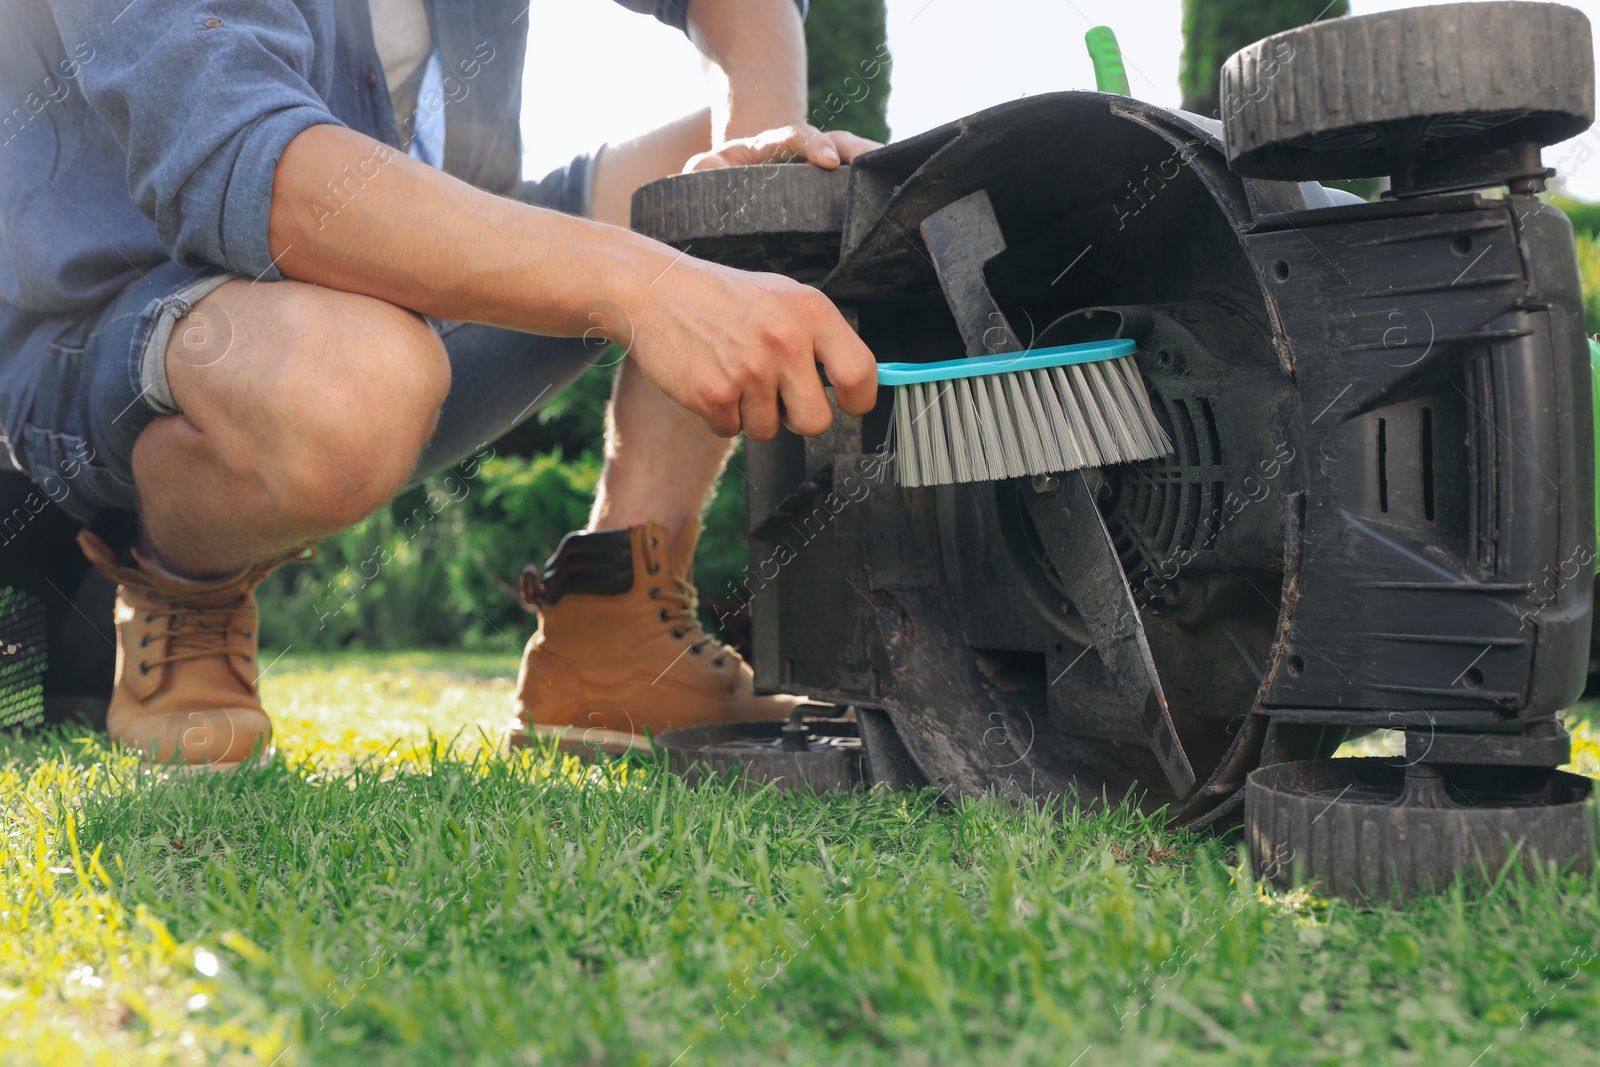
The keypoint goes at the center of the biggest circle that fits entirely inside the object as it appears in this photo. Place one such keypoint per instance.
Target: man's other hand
(786, 143)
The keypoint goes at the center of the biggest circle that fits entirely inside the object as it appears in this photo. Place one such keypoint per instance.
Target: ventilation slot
(23, 624)
(1427, 463)
(1383, 466)
(1485, 464)
(1212, 436)
(1219, 492)
(1154, 508)
(1186, 427)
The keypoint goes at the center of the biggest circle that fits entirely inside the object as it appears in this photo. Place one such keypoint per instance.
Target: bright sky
(597, 72)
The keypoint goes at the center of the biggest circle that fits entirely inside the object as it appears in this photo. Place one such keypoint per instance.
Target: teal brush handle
(1004, 363)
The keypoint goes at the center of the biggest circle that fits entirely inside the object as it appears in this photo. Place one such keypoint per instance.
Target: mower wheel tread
(1313, 103)
(784, 217)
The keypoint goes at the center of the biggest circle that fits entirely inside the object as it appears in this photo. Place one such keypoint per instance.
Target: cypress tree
(1213, 30)
(847, 61)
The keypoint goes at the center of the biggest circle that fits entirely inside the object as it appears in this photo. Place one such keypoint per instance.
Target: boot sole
(171, 768)
(610, 742)
(591, 739)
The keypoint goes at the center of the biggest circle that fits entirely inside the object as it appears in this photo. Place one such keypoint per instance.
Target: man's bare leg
(661, 461)
(303, 411)
(631, 659)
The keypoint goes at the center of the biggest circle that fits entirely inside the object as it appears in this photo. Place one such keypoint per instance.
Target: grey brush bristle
(1023, 423)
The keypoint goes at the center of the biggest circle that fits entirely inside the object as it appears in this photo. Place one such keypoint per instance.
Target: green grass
(370, 898)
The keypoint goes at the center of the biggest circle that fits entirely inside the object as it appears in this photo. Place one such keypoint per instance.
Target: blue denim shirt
(136, 132)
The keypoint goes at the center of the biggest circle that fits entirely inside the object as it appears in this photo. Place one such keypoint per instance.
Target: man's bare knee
(325, 400)
(360, 400)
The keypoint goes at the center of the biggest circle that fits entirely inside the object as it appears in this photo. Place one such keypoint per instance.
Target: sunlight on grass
(335, 710)
(393, 883)
(82, 979)
(1580, 720)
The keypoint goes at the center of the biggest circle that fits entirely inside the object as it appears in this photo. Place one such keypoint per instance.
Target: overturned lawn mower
(1379, 508)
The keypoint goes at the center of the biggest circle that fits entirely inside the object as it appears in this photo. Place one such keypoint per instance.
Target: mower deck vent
(1165, 506)
(23, 627)
(1485, 465)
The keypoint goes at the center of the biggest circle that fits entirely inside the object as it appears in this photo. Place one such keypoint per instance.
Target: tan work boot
(185, 687)
(619, 647)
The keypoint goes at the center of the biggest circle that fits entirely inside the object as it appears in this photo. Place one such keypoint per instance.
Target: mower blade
(961, 237)
(1075, 536)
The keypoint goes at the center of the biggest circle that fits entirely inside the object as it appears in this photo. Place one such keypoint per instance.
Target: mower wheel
(1379, 94)
(782, 217)
(1377, 829)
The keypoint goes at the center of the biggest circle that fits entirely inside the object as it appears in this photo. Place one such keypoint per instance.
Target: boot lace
(205, 626)
(198, 631)
(682, 600)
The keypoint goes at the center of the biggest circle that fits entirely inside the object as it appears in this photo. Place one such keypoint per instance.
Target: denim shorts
(75, 400)
(77, 390)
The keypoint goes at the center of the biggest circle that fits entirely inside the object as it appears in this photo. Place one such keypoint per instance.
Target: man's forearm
(759, 121)
(761, 47)
(740, 349)
(351, 213)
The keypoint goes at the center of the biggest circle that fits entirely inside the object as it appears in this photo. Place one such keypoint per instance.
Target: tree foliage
(847, 61)
(1215, 29)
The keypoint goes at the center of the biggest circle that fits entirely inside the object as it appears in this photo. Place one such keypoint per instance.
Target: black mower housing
(1379, 511)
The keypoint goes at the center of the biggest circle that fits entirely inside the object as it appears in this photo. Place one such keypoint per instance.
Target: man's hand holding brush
(742, 349)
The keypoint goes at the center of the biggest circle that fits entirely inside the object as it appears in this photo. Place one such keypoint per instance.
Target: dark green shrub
(438, 567)
(1585, 214)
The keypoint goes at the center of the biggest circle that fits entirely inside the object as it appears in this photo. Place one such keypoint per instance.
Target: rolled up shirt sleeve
(203, 98)
(675, 13)
(568, 189)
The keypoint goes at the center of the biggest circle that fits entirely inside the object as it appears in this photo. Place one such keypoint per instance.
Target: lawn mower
(1379, 507)
(57, 640)
(1378, 511)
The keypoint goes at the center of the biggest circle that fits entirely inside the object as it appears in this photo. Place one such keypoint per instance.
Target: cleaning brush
(1016, 414)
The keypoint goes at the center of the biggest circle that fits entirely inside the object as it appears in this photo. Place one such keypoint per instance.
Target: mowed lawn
(392, 890)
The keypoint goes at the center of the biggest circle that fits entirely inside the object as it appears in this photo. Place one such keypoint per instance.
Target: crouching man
(270, 263)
